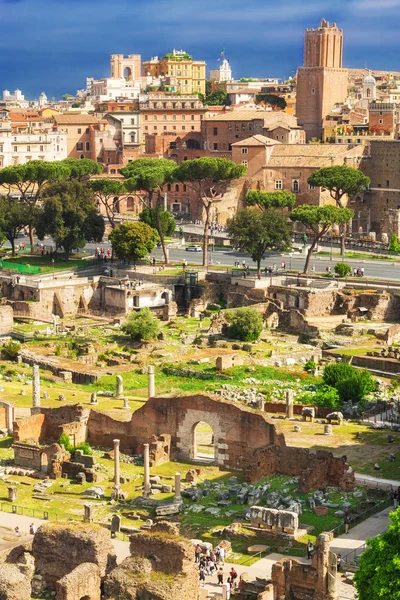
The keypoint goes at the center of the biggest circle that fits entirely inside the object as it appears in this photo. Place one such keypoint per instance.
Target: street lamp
(52, 264)
(290, 261)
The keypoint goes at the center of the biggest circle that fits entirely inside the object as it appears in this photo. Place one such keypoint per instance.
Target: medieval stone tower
(321, 82)
(126, 67)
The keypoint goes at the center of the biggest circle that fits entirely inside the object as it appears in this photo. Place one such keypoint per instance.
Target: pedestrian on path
(220, 576)
(197, 552)
(339, 562)
(32, 529)
(310, 549)
(346, 523)
(222, 554)
(202, 576)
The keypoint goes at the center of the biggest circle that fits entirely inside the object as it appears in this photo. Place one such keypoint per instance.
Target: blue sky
(52, 45)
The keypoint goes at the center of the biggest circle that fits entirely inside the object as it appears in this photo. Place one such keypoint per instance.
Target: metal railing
(363, 516)
(351, 556)
(23, 511)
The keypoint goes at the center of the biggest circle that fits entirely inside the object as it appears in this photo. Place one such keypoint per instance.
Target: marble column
(150, 382)
(119, 386)
(35, 386)
(12, 493)
(116, 465)
(177, 497)
(146, 464)
(289, 404)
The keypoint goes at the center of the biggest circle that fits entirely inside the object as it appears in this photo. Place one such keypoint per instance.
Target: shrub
(336, 372)
(85, 448)
(141, 325)
(245, 324)
(10, 350)
(342, 269)
(65, 441)
(310, 365)
(352, 384)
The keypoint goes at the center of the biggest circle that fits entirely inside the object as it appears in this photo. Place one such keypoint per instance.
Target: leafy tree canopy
(149, 174)
(217, 98)
(168, 223)
(245, 324)
(142, 325)
(14, 216)
(211, 174)
(352, 384)
(254, 232)
(70, 216)
(271, 100)
(277, 199)
(80, 168)
(340, 180)
(321, 217)
(133, 240)
(378, 575)
(342, 269)
(32, 176)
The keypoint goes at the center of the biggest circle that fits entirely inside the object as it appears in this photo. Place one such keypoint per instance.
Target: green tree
(133, 241)
(30, 180)
(13, 218)
(70, 216)
(272, 100)
(217, 98)
(66, 96)
(352, 384)
(168, 223)
(319, 219)
(82, 168)
(107, 193)
(209, 178)
(340, 180)
(245, 324)
(151, 175)
(264, 200)
(342, 269)
(10, 350)
(141, 325)
(255, 232)
(378, 574)
(323, 396)
(336, 372)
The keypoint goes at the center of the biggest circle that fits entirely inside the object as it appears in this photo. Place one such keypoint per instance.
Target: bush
(352, 384)
(336, 372)
(310, 365)
(245, 324)
(65, 441)
(85, 448)
(323, 396)
(141, 325)
(342, 269)
(10, 350)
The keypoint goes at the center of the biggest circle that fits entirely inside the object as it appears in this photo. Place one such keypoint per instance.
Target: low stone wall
(51, 364)
(321, 412)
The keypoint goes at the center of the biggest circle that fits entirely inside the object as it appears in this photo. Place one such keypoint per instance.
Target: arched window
(133, 137)
(130, 203)
(295, 185)
(369, 93)
(177, 187)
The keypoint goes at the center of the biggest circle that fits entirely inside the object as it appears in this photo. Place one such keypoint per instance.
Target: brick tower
(322, 82)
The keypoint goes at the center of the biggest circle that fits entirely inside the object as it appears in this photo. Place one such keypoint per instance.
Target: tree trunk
(309, 254)
(159, 229)
(205, 234)
(31, 237)
(343, 240)
(12, 241)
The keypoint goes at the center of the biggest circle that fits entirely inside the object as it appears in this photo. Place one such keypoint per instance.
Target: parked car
(194, 249)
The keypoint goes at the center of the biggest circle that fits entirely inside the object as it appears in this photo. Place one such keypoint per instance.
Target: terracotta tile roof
(257, 140)
(269, 117)
(312, 155)
(75, 119)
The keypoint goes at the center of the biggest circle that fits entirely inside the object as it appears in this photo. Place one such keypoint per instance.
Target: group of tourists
(211, 563)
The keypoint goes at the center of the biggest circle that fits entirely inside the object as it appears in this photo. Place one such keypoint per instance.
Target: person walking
(395, 499)
(197, 553)
(202, 576)
(339, 562)
(346, 523)
(222, 554)
(220, 576)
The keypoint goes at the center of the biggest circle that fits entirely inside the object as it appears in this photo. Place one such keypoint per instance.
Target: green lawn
(45, 264)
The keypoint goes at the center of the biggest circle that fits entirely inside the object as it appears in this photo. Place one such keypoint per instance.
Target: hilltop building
(178, 72)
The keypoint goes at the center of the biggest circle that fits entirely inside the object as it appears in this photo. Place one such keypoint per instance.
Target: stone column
(93, 398)
(88, 513)
(126, 403)
(177, 497)
(35, 386)
(12, 493)
(150, 382)
(146, 464)
(289, 404)
(119, 386)
(328, 430)
(117, 484)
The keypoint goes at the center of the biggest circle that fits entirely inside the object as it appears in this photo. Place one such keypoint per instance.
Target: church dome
(369, 79)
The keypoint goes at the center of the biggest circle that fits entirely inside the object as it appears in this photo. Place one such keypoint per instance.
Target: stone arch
(192, 144)
(116, 204)
(130, 203)
(186, 438)
(200, 446)
(128, 73)
(44, 462)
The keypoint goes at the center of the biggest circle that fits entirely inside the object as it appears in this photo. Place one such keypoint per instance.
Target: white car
(194, 249)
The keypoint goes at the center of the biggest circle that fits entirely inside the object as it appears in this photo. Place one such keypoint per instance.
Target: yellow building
(178, 72)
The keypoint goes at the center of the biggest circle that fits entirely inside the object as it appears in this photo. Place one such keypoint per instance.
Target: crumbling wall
(58, 548)
(14, 585)
(83, 582)
(50, 423)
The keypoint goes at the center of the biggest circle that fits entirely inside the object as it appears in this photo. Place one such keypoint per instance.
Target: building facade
(321, 82)
(178, 71)
(20, 148)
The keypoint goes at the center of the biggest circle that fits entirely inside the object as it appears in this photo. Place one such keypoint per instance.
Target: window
(146, 117)
(87, 146)
(311, 187)
(132, 121)
(387, 183)
(229, 126)
(177, 187)
(174, 117)
(295, 186)
(183, 128)
(154, 117)
(164, 117)
(169, 185)
(215, 146)
(192, 117)
(230, 147)
(146, 127)
(236, 127)
(183, 117)
(155, 128)
(87, 130)
(15, 148)
(215, 131)
(245, 163)
(245, 150)
(380, 121)
(1, 147)
(313, 91)
(184, 185)
(165, 128)
(79, 130)
(41, 148)
(28, 148)
(243, 126)
(278, 184)
(1, 161)
(79, 146)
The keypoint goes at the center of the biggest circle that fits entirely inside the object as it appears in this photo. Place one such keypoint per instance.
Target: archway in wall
(128, 73)
(203, 442)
